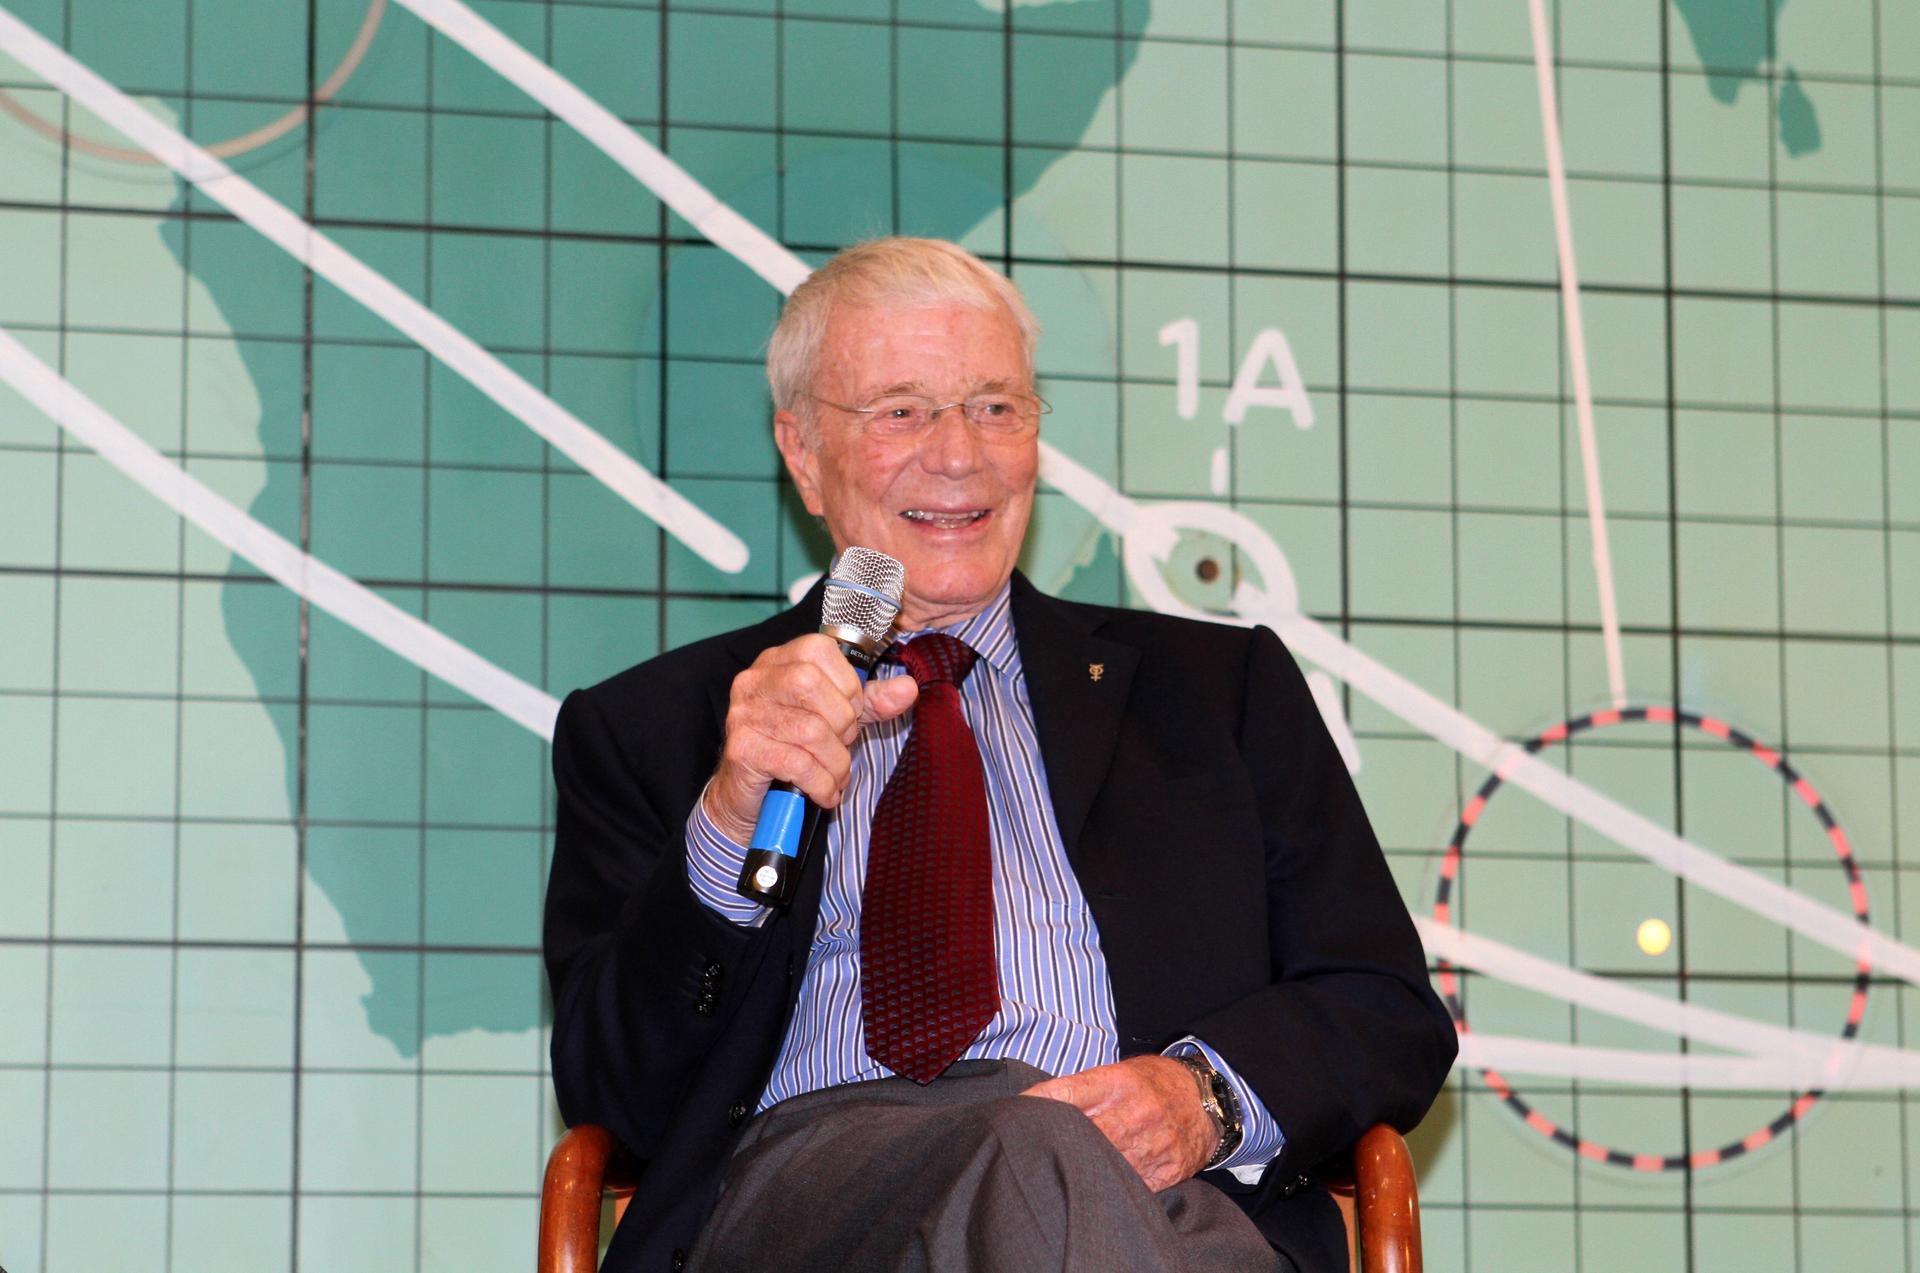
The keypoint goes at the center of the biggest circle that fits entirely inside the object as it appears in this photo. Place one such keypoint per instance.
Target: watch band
(1218, 1099)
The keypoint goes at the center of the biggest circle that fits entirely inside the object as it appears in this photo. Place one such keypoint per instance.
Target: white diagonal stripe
(1577, 354)
(701, 208)
(1811, 919)
(674, 186)
(1512, 1055)
(676, 514)
(348, 601)
(1683, 1018)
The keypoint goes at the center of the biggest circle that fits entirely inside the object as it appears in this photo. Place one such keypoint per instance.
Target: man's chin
(937, 597)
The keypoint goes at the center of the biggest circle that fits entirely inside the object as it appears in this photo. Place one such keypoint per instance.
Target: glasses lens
(1003, 412)
(900, 413)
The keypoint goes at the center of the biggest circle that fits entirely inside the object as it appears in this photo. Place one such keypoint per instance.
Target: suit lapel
(1078, 683)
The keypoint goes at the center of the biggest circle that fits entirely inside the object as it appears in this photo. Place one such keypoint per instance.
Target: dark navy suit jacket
(1239, 892)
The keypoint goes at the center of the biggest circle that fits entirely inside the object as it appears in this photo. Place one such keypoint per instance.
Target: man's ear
(803, 464)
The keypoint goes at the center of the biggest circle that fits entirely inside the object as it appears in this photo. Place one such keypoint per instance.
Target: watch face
(1224, 1097)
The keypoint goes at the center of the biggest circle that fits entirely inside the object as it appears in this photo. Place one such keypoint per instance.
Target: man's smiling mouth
(942, 520)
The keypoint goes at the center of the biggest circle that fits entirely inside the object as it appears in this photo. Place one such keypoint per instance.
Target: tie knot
(937, 657)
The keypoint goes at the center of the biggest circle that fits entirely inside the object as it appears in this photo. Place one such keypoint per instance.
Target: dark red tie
(928, 985)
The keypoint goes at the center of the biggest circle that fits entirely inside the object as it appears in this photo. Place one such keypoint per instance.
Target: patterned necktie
(928, 984)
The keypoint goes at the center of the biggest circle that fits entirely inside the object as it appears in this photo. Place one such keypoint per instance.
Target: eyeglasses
(908, 415)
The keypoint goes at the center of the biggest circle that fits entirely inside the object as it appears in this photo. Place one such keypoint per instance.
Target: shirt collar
(990, 633)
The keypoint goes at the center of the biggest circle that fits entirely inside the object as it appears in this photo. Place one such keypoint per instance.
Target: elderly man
(1170, 972)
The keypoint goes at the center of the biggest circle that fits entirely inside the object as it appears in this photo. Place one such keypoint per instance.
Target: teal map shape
(372, 883)
(1734, 44)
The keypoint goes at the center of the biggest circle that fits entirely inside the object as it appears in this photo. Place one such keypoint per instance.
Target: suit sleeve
(644, 975)
(1348, 1032)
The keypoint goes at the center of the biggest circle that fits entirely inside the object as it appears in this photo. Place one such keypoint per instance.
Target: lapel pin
(1096, 671)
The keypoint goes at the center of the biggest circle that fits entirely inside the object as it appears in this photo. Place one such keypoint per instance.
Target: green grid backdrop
(269, 986)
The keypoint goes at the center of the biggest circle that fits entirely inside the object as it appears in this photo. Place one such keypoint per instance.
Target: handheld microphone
(863, 595)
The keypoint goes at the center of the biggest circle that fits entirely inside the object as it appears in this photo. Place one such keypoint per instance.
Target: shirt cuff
(713, 869)
(1261, 1139)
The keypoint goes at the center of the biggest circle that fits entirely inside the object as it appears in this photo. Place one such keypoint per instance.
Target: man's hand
(1149, 1107)
(791, 716)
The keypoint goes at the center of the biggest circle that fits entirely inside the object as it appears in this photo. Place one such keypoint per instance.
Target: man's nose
(952, 446)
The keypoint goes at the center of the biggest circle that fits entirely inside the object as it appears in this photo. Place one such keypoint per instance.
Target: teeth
(944, 519)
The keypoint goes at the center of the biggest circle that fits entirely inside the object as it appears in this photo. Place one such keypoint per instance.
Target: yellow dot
(1653, 936)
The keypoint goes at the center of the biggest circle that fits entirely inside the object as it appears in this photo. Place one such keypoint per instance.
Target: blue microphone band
(781, 815)
(860, 589)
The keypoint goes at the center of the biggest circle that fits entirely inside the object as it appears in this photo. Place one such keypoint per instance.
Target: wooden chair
(1378, 1201)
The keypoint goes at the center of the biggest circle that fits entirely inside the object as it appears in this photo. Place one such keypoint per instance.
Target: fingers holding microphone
(792, 717)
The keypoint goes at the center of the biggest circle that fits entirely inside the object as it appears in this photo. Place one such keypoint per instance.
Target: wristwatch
(1222, 1106)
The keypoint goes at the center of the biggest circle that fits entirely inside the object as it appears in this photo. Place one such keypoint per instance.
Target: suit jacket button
(711, 972)
(738, 1114)
(703, 1006)
(679, 1260)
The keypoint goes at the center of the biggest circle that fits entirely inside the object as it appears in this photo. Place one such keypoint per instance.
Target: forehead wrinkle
(994, 384)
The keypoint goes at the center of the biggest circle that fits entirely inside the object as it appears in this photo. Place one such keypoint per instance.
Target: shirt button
(738, 1114)
(679, 1260)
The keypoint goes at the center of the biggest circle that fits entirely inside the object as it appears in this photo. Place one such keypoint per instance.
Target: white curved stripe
(1577, 353)
(1513, 1055)
(1326, 696)
(727, 229)
(573, 438)
(1113, 510)
(1445, 723)
(338, 595)
(1821, 1060)
(1811, 919)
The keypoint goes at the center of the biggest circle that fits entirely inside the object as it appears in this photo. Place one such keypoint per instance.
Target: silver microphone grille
(863, 593)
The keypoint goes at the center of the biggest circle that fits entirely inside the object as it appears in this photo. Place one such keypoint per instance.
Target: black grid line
(1674, 667)
(303, 734)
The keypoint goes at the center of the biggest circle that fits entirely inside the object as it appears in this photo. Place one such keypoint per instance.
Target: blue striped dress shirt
(1056, 1002)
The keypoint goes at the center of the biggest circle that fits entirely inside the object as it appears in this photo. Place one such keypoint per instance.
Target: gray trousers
(961, 1175)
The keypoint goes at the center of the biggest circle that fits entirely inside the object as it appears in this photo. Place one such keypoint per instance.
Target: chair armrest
(1386, 1202)
(584, 1164)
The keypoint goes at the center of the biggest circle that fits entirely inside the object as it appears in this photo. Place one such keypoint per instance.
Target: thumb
(888, 698)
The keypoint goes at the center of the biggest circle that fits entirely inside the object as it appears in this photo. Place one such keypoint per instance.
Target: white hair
(893, 273)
